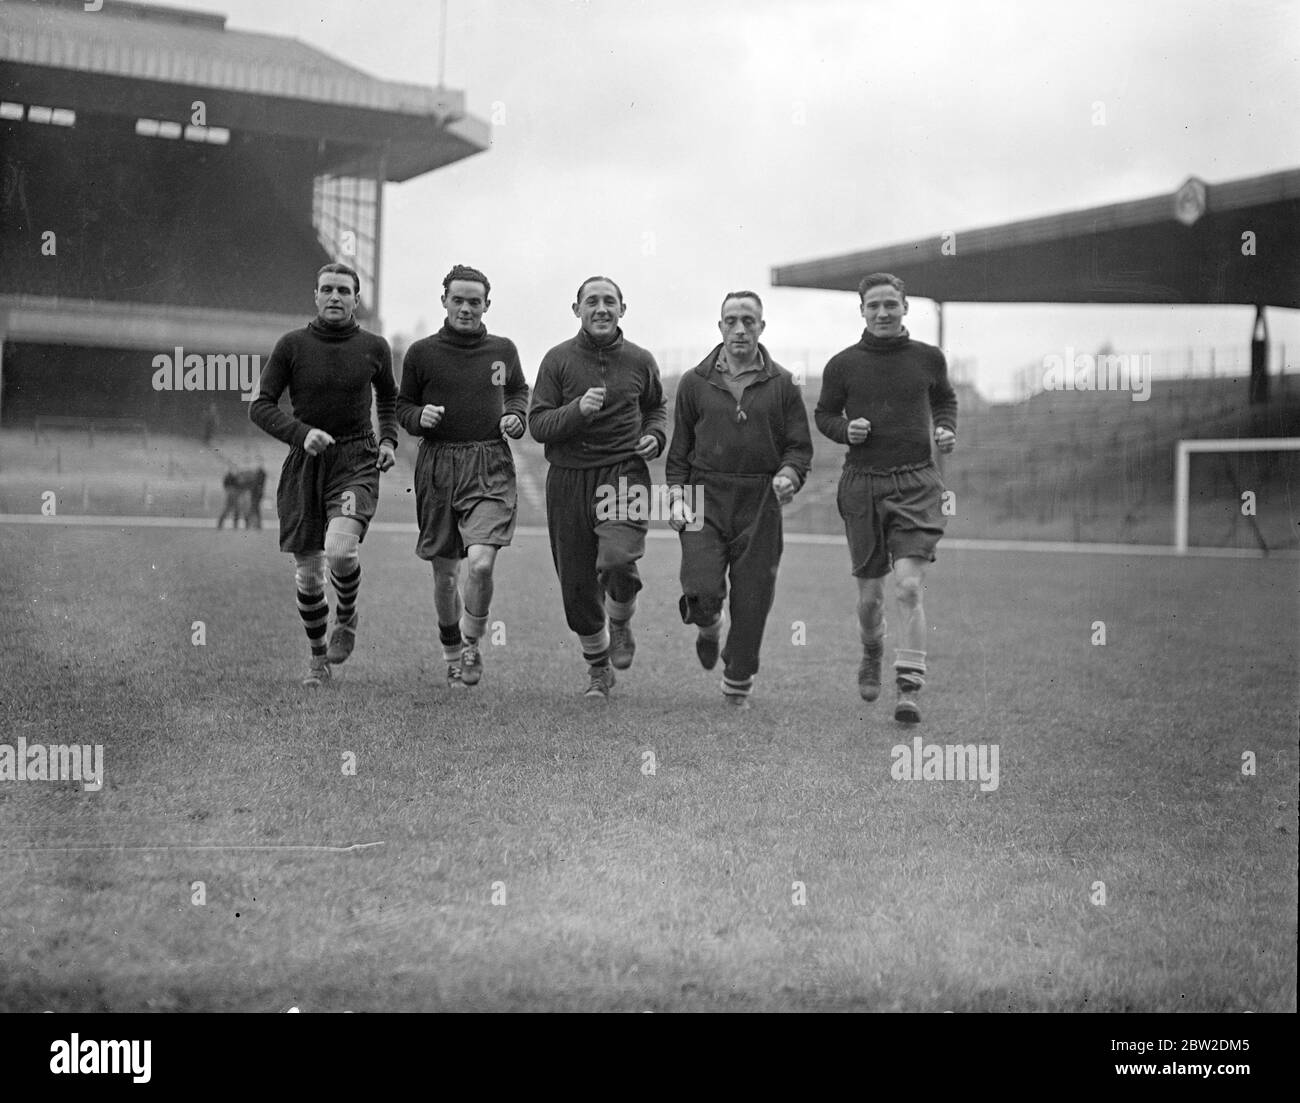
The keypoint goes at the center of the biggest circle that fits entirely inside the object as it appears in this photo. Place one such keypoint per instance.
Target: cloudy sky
(685, 148)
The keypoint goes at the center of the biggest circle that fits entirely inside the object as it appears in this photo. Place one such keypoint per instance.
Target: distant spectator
(244, 491)
(211, 423)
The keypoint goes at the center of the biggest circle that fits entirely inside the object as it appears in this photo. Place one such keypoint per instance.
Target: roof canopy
(152, 62)
(1237, 242)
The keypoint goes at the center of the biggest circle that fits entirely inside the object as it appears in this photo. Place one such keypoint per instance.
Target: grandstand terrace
(1097, 464)
(169, 188)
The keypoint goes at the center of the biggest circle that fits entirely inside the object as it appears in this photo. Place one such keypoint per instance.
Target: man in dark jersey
(599, 409)
(463, 392)
(329, 485)
(882, 397)
(740, 435)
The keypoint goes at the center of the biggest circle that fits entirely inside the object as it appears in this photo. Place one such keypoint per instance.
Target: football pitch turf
(516, 848)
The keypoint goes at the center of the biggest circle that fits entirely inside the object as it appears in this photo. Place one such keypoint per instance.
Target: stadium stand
(168, 183)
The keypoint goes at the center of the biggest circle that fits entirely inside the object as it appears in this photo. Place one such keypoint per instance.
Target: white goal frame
(1182, 465)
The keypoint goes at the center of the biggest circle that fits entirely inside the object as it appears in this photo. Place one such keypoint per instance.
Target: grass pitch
(531, 857)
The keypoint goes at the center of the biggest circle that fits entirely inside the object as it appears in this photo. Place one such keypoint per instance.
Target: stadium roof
(130, 59)
(1187, 247)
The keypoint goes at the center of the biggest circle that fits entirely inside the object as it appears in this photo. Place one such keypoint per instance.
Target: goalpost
(1182, 464)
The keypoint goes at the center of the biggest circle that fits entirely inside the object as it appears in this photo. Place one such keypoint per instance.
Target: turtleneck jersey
(476, 376)
(899, 385)
(634, 402)
(330, 373)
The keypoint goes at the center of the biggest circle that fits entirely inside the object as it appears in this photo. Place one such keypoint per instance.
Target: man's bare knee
(481, 561)
(871, 592)
(909, 589)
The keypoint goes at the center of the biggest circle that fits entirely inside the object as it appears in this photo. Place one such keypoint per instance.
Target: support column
(381, 173)
(1259, 358)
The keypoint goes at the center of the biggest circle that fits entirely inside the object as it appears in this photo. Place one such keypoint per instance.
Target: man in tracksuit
(599, 409)
(741, 434)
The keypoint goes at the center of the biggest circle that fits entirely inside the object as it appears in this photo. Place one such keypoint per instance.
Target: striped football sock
(346, 587)
(909, 668)
(595, 648)
(315, 613)
(737, 687)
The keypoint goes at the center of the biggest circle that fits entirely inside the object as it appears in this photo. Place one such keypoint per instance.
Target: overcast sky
(684, 148)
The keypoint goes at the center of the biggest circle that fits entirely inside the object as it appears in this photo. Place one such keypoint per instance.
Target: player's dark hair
(741, 295)
(342, 270)
(465, 272)
(875, 280)
(594, 279)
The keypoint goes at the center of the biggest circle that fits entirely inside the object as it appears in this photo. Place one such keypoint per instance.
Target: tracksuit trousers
(595, 556)
(741, 535)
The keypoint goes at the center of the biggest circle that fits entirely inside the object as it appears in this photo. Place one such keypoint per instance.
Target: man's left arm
(515, 394)
(943, 407)
(654, 412)
(797, 452)
(386, 407)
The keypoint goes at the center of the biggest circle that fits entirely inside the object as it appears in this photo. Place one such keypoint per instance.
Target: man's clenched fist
(592, 400)
(317, 441)
(679, 515)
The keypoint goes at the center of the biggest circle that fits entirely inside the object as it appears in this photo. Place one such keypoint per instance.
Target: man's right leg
(302, 534)
(871, 630)
(704, 587)
(869, 556)
(620, 543)
(314, 609)
(439, 543)
(447, 606)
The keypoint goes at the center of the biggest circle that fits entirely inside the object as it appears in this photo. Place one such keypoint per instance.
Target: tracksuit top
(330, 372)
(900, 386)
(634, 402)
(763, 432)
(477, 377)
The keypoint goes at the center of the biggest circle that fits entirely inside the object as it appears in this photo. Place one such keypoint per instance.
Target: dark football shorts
(464, 494)
(889, 516)
(342, 481)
